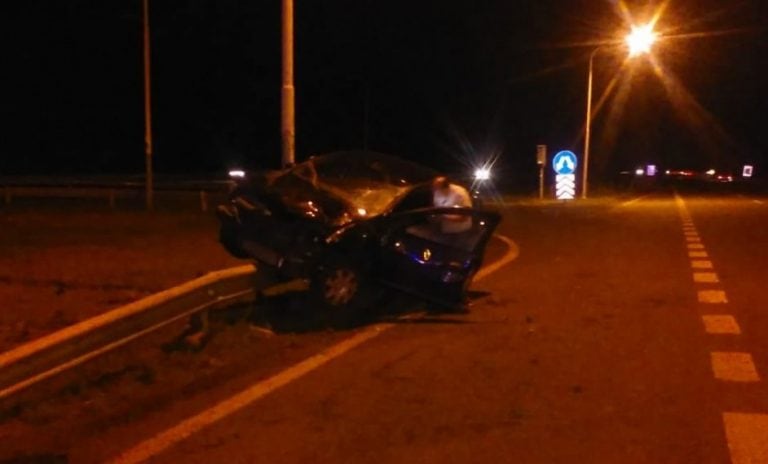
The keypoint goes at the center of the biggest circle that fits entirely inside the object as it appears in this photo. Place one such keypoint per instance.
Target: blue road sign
(564, 162)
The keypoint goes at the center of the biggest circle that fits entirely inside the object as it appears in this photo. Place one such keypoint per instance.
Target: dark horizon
(442, 83)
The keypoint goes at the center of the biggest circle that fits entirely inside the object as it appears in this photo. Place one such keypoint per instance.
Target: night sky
(442, 82)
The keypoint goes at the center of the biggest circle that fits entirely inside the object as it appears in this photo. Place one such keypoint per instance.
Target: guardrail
(110, 191)
(110, 195)
(58, 352)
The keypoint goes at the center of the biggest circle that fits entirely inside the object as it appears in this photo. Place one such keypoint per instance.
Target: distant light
(237, 173)
(667, 172)
(639, 171)
(711, 172)
(361, 212)
(724, 178)
(482, 174)
(650, 170)
(641, 39)
(747, 171)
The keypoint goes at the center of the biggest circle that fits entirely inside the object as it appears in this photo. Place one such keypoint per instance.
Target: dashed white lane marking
(693, 239)
(159, 443)
(721, 324)
(712, 297)
(758, 202)
(701, 264)
(747, 436)
(705, 277)
(734, 367)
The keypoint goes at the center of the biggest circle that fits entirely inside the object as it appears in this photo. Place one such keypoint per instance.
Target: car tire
(344, 293)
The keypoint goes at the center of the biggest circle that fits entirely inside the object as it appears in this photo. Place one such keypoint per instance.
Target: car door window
(457, 231)
(418, 198)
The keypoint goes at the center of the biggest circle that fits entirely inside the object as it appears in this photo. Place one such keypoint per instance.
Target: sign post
(564, 164)
(541, 160)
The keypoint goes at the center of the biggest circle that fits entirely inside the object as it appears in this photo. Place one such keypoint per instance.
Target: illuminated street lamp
(639, 41)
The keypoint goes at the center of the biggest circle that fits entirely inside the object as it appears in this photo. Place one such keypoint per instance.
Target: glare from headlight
(237, 173)
(482, 174)
(639, 171)
(361, 212)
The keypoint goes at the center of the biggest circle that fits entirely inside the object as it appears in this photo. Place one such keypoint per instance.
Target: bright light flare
(641, 39)
(237, 173)
(482, 174)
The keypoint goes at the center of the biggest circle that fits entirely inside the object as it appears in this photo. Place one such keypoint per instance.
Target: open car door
(435, 252)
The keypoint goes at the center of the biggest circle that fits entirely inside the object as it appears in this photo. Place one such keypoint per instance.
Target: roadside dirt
(60, 267)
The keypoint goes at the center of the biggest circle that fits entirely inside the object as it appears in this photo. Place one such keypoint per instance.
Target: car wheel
(340, 286)
(343, 291)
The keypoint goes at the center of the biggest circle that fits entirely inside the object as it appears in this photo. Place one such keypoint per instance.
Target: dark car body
(350, 220)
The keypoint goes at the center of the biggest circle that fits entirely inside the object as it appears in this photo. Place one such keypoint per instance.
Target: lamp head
(641, 39)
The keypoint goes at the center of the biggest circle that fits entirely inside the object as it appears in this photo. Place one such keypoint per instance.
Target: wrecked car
(351, 224)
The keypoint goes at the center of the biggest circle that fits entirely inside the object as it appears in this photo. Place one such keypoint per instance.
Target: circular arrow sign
(564, 162)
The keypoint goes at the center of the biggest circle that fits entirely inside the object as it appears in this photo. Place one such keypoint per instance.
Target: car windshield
(364, 180)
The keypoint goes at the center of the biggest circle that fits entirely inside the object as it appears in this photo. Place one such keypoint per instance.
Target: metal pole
(587, 127)
(288, 119)
(541, 181)
(149, 194)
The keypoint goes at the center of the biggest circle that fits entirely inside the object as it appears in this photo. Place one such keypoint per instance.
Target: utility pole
(588, 125)
(149, 184)
(288, 114)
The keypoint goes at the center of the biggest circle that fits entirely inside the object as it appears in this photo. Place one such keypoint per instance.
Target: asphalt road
(624, 331)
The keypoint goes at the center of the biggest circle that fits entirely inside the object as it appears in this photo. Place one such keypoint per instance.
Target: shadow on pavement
(297, 313)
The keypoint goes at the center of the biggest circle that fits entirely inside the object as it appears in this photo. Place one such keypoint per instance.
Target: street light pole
(149, 183)
(639, 42)
(288, 115)
(588, 126)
